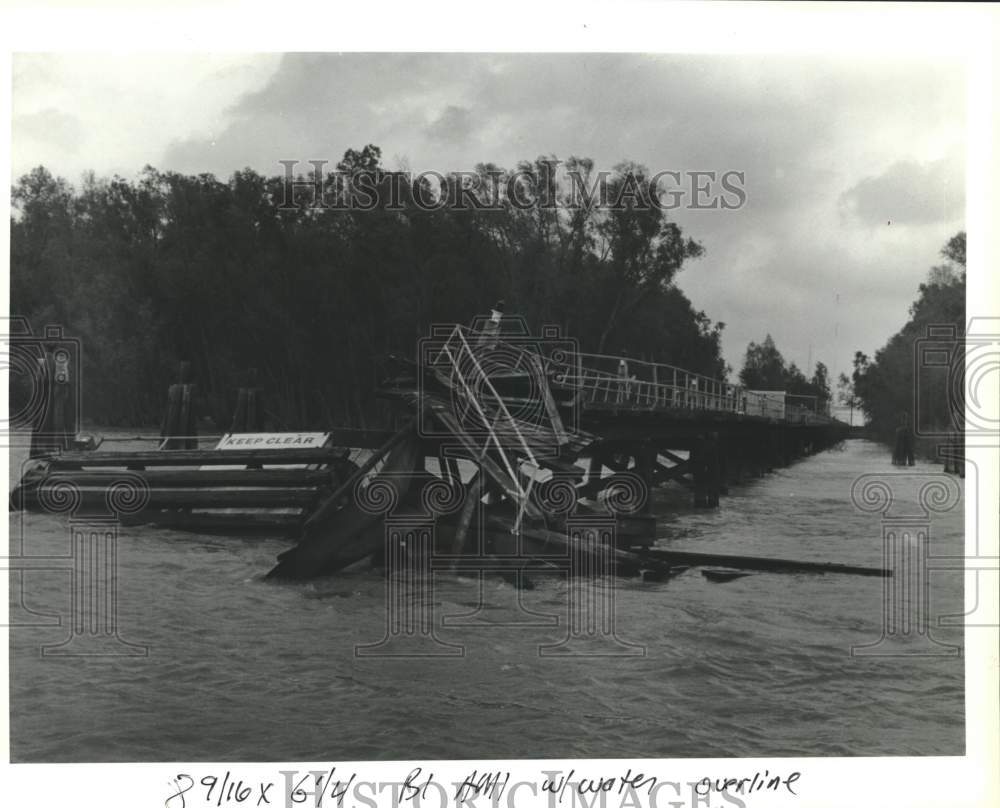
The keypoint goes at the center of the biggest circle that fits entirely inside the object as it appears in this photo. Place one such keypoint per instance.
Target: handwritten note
(490, 789)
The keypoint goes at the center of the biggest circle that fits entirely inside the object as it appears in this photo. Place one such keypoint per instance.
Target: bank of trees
(904, 381)
(764, 368)
(166, 267)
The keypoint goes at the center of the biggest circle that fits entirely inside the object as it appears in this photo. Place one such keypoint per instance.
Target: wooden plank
(349, 534)
(760, 563)
(225, 523)
(205, 498)
(331, 502)
(675, 473)
(360, 438)
(548, 542)
(194, 457)
(194, 478)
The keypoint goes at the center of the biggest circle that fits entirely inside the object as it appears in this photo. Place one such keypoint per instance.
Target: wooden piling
(179, 429)
(249, 413)
(706, 469)
(50, 427)
(645, 463)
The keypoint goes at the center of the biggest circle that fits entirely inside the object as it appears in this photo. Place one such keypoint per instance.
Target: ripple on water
(243, 669)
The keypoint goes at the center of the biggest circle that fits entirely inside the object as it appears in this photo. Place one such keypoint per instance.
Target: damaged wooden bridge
(510, 443)
(530, 438)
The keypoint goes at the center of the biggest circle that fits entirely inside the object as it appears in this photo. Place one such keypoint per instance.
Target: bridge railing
(687, 392)
(649, 385)
(602, 381)
(798, 414)
(662, 384)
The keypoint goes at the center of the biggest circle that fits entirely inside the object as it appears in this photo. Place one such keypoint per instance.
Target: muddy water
(239, 669)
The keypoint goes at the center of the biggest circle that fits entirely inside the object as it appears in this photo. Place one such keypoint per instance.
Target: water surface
(239, 669)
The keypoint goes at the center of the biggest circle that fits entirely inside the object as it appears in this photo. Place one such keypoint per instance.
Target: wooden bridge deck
(607, 387)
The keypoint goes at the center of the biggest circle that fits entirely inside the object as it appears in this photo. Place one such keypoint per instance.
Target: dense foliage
(764, 368)
(901, 382)
(224, 274)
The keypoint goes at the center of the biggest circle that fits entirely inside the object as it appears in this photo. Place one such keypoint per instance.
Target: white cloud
(812, 135)
(128, 106)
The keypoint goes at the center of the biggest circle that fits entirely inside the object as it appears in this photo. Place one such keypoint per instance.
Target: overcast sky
(854, 170)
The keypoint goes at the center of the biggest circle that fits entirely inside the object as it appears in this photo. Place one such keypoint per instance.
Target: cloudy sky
(854, 169)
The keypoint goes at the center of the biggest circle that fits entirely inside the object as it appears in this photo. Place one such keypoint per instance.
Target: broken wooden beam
(674, 473)
(331, 502)
(760, 563)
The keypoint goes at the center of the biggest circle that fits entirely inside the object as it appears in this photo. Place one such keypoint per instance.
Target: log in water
(760, 563)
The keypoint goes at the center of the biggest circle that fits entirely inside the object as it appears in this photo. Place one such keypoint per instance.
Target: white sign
(273, 440)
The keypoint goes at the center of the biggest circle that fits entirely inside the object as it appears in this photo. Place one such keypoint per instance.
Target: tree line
(897, 385)
(228, 276)
(764, 368)
(917, 376)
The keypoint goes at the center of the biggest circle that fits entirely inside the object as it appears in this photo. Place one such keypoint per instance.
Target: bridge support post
(740, 451)
(645, 462)
(774, 459)
(705, 468)
(724, 462)
(697, 461)
(735, 460)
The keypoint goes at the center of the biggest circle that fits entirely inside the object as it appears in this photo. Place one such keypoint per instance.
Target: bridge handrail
(657, 372)
(662, 385)
(655, 385)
